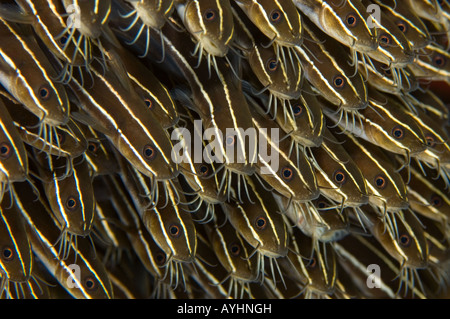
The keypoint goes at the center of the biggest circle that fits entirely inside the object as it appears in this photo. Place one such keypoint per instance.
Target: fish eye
(402, 26)
(71, 203)
(297, 109)
(287, 173)
(272, 65)
(385, 40)
(404, 240)
(175, 230)
(5, 150)
(235, 249)
(339, 82)
(398, 132)
(90, 283)
(148, 102)
(339, 177)
(7, 254)
(312, 263)
(387, 71)
(431, 142)
(380, 182)
(44, 93)
(92, 147)
(204, 170)
(160, 258)
(275, 16)
(351, 20)
(230, 140)
(439, 60)
(436, 201)
(321, 204)
(260, 223)
(210, 15)
(63, 39)
(149, 152)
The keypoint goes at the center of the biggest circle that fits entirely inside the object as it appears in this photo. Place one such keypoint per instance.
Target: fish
(16, 257)
(261, 224)
(71, 198)
(393, 46)
(307, 124)
(385, 124)
(347, 22)
(386, 187)
(381, 77)
(233, 252)
(29, 79)
(152, 15)
(338, 176)
(292, 173)
(327, 66)
(122, 116)
(407, 21)
(211, 24)
(311, 266)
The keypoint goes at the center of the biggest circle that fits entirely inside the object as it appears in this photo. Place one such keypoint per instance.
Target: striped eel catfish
(393, 46)
(99, 153)
(407, 21)
(431, 104)
(287, 170)
(202, 177)
(328, 70)
(69, 141)
(403, 238)
(261, 224)
(111, 237)
(152, 257)
(233, 252)
(16, 259)
(13, 156)
(427, 196)
(280, 22)
(355, 254)
(152, 15)
(91, 281)
(111, 107)
(433, 63)
(386, 188)
(211, 25)
(149, 88)
(71, 198)
(90, 19)
(282, 80)
(27, 75)
(172, 228)
(345, 21)
(312, 266)
(405, 241)
(221, 105)
(338, 176)
(47, 19)
(308, 122)
(426, 9)
(385, 124)
(320, 219)
(437, 153)
(381, 77)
